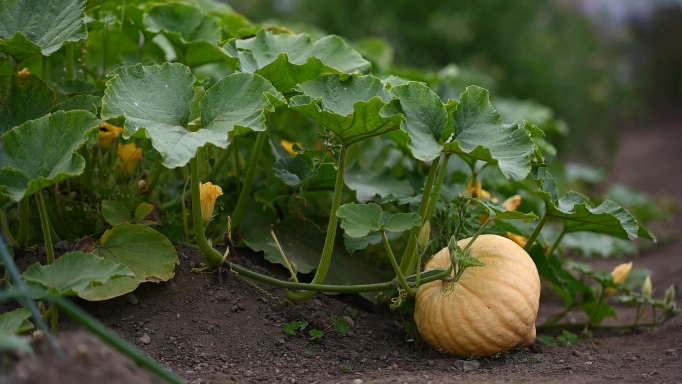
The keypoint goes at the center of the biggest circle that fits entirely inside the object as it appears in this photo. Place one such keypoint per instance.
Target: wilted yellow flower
(518, 239)
(128, 156)
(620, 273)
(512, 203)
(108, 132)
(209, 194)
(478, 191)
(23, 73)
(289, 146)
(646, 287)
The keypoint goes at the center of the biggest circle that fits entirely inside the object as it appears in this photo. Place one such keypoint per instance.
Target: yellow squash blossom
(23, 73)
(209, 194)
(518, 239)
(478, 191)
(128, 156)
(289, 146)
(108, 132)
(620, 273)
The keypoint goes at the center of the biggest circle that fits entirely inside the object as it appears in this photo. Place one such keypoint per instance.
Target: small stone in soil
(349, 321)
(670, 352)
(131, 298)
(354, 355)
(191, 264)
(263, 299)
(189, 372)
(576, 353)
(395, 353)
(317, 302)
(467, 366)
(382, 357)
(430, 362)
(62, 246)
(358, 381)
(145, 339)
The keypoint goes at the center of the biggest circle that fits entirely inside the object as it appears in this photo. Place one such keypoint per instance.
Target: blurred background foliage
(588, 61)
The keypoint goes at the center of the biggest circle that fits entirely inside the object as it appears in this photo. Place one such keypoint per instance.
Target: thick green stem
(70, 73)
(602, 297)
(24, 214)
(243, 200)
(45, 224)
(406, 262)
(536, 232)
(436, 189)
(323, 267)
(427, 277)
(5, 230)
(478, 233)
(211, 256)
(58, 203)
(558, 240)
(396, 267)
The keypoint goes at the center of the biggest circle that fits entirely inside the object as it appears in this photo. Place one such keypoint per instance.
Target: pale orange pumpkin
(491, 309)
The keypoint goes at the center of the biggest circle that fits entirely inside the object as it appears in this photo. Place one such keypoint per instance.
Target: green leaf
(564, 283)
(288, 60)
(149, 254)
(75, 274)
(368, 184)
(14, 322)
(499, 213)
(480, 134)
(401, 222)
(182, 23)
(237, 104)
(46, 24)
(88, 103)
(18, 47)
(353, 244)
(293, 171)
(596, 244)
(302, 242)
(158, 98)
(360, 219)
(289, 328)
(315, 334)
(42, 152)
(23, 99)
(75, 87)
(143, 210)
(115, 212)
(13, 343)
(585, 173)
(579, 214)
(355, 109)
(425, 119)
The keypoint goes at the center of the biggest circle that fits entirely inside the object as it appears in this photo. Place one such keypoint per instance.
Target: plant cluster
(144, 107)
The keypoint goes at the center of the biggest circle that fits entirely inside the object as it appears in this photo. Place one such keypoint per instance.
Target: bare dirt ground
(212, 332)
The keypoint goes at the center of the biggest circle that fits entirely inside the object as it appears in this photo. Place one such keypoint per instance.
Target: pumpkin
(491, 308)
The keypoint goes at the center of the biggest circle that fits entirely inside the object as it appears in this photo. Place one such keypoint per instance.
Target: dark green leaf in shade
(287, 60)
(293, 171)
(88, 103)
(14, 343)
(115, 212)
(596, 244)
(76, 274)
(18, 47)
(75, 87)
(401, 222)
(368, 184)
(43, 152)
(23, 99)
(47, 24)
(499, 213)
(182, 23)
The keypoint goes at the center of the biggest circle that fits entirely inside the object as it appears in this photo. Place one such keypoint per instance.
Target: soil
(211, 330)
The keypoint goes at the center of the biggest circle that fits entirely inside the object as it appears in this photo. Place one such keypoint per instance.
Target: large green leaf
(88, 103)
(596, 244)
(149, 254)
(18, 47)
(288, 60)
(75, 274)
(302, 242)
(353, 244)
(367, 184)
(499, 213)
(158, 98)
(425, 119)
(293, 171)
(182, 23)
(42, 152)
(401, 222)
(16, 321)
(579, 214)
(238, 103)
(23, 99)
(355, 109)
(47, 24)
(13, 343)
(479, 133)
(360, 219)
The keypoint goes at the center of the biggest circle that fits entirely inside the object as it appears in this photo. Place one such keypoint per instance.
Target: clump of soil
(86, 360)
